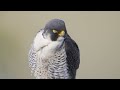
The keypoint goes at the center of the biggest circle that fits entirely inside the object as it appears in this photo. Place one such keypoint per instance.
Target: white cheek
(55, 44)
(39, 41)
(60, 39)
(50, 50)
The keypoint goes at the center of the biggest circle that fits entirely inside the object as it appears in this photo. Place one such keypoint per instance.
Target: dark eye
(55, 31)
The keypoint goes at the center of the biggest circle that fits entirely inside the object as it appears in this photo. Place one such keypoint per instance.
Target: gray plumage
(54, 55)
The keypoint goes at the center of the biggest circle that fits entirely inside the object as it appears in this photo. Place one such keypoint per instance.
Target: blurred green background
(97, 34)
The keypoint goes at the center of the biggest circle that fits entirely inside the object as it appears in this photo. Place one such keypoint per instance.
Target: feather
(73, 56)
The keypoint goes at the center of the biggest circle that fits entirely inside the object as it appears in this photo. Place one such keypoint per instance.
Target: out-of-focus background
(96, 33)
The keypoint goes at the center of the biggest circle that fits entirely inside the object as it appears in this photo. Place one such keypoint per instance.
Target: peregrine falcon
(53, 53)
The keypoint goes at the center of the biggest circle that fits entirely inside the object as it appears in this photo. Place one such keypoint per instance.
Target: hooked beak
(62, 33)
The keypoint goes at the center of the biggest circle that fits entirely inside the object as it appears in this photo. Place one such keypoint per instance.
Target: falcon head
(54, 30)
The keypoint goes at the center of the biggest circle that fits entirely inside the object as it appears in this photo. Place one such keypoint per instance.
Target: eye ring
(55, 31)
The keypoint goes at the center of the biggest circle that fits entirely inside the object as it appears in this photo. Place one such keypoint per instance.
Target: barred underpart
(51, 68)
(32, 59)
(57, 68)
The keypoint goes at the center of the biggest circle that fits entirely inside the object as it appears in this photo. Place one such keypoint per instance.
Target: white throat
(46, 46)
(40, 41)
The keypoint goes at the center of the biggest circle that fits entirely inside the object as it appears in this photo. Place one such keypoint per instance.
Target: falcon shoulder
(73, 55)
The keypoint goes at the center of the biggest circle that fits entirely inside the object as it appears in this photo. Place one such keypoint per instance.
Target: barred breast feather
(49, 62)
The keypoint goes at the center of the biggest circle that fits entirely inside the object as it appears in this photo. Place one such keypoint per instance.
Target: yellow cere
(61, 33)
